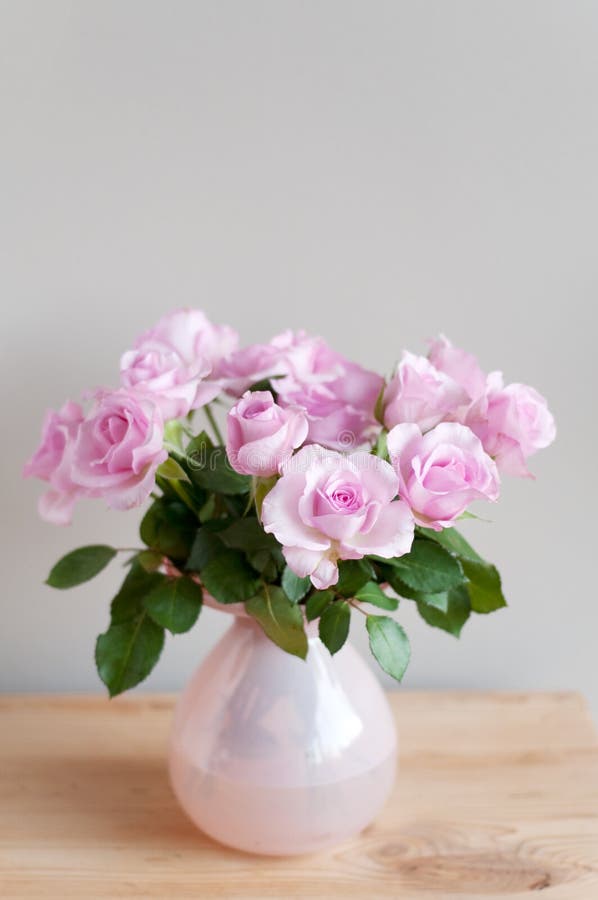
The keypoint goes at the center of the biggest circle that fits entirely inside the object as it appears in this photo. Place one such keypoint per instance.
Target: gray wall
(373, 171)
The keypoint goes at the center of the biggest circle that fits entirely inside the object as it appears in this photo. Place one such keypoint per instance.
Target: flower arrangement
(334, 491)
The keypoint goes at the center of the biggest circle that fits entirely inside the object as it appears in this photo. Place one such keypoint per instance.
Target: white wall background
(373, 171)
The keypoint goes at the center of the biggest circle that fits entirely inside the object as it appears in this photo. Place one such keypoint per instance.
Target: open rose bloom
(328, 507)
(284, 477)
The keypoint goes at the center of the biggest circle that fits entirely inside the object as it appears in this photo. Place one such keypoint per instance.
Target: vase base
(280, 820)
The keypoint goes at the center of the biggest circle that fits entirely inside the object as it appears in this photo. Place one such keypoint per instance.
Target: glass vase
(273, 754)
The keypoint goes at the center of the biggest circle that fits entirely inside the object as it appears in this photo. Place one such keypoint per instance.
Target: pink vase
(276, 755)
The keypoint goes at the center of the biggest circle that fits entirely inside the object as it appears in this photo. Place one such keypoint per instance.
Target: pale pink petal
(303, 562)
(56, 508)
(377, 476)
(325, 575)
(402, 439)
(459, 365)
(280, 515)
(391, 535)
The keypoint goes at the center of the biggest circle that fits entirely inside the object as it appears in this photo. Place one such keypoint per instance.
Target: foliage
(235, 561)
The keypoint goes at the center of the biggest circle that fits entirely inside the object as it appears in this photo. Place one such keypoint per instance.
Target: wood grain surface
(497, 797)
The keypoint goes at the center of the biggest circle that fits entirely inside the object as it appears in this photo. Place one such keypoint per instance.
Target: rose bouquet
(333, 491)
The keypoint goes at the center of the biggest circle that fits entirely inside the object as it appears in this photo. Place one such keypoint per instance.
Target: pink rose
(118, 448)
(246, 367)
(173, 385)
(328, 506)
(441, 472)
(338, 395)
(174, 361)
(421, 394)
(334, 422)
(261, 436)
(459, 365)
(512, 422)
(307, 359)
(52, 463)
(190, 333)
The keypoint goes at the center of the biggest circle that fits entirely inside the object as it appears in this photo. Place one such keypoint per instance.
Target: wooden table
(497, 797)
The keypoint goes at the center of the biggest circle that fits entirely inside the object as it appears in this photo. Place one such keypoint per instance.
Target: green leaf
(353, 574)
(229, 578)
(294, 587)
(263, 486)
(221, 524)
(248, 534)
(212, 470)
(265, 564)
(169, 527)
(389, 645)
(485, 591)
(451, 540)
(236, 505)
(150, 560)
(334, 625)
(197, 446)
(262, 385)
(80, 565)
(403, 590)
(208, 509)
(128, 602)
(175, 604)
(428, 567)
(372, 593)
(438, 601)
(127, 652)
(281, 620)
(455, 614)
(484, 587)
(206, 547)
(174, 432)
(316, 604)
(176, 490)
(172, 471)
